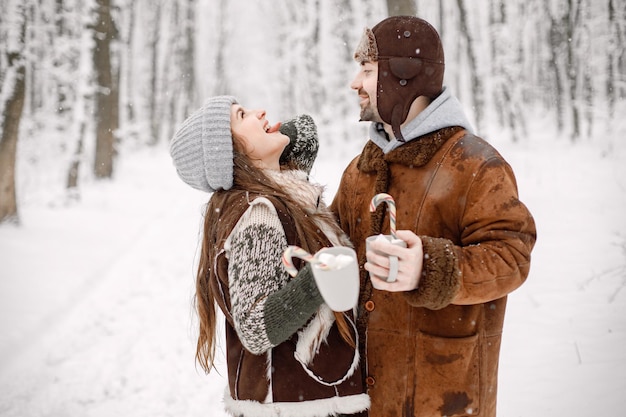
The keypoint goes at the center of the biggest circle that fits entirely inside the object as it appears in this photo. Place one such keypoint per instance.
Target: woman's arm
(267, 307)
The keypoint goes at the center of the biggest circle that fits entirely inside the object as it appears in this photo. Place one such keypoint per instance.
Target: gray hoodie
(444, 111)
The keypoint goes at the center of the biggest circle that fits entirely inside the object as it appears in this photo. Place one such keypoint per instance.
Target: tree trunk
(620, 59)
(154, 74)
(222, 85)
(82, 106)
(188, 58)
(128, 99)
(178, 73)
(72, 175)
(476, 88)
(505, 97)
(557, 86)
(13, 81)
(586, 70)
(401, 7)
(170, 83)
(613, 45)
(105, 91)
(572, 21)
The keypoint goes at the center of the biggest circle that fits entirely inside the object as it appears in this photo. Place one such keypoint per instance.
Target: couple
(426, 344)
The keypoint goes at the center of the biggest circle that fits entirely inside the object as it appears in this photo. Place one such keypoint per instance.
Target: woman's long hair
(247, 178)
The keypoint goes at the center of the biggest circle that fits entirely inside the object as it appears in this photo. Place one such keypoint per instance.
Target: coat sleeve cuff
(441, 276)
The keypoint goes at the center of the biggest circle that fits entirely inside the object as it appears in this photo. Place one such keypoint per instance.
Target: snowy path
(118, 338)
(95, 298)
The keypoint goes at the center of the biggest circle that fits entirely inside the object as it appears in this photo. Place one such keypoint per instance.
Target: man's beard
(370, 114)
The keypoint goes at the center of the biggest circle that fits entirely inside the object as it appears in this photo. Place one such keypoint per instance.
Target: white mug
(336, 274)
(338, 284)
(393, 260)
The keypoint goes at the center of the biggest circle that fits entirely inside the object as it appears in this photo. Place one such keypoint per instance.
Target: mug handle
(393, 269)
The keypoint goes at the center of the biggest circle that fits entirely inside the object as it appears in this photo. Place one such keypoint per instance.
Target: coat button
(370, 306)
(370, 380)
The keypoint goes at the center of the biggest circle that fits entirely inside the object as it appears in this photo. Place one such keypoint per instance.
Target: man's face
(365, 83)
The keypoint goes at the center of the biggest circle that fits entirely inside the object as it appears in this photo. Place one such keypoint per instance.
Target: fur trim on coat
(314, 408)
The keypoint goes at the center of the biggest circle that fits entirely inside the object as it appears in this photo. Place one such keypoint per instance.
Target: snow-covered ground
(96, 317)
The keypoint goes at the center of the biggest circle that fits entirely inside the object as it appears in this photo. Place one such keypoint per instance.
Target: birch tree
(506, 65)
(401, 7)
(572, 21)
(476, 80)
(186, 57)
(12, 78)
(615, 85)
(561, 60)
(301, 54)
(106, 90)
(81, 122)
(221, 86)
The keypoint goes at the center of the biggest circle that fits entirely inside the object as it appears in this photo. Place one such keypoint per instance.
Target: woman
(287, 353)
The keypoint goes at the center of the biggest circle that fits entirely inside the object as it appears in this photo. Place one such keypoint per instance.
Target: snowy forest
(84, 81)
(99, 237)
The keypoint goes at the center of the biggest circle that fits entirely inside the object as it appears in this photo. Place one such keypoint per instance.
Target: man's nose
(356, 83)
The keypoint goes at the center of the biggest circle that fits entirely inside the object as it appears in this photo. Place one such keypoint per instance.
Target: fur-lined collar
(414, 153)
(298, 185)
(443, 112)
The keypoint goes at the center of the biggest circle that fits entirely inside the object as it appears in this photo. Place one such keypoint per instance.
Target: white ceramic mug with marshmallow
(393, 260)
(336, 273)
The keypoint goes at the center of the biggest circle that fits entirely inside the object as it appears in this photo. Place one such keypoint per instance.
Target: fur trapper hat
(410, 64)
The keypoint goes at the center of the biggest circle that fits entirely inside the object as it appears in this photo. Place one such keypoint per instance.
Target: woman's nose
(260, 113)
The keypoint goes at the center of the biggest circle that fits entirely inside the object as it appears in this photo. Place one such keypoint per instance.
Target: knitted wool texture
(255, 272)
(268, 307)
(303, 142)
(202, 148)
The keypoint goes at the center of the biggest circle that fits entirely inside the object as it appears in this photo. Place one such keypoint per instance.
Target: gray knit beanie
(202, 148)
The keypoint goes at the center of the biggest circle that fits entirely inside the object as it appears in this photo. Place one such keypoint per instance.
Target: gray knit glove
(303, 142)
(291, 307)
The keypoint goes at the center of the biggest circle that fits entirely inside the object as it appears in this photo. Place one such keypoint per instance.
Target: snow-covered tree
(103, 76)
(12, 79)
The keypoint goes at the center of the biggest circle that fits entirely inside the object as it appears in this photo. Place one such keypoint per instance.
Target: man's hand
(410, 261)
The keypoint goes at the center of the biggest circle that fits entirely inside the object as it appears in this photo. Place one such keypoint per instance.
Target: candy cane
(391, 204)
(298, 252)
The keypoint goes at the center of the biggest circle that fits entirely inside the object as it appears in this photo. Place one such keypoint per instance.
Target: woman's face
(262, 143)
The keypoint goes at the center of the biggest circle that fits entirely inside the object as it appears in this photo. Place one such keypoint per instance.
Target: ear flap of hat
(405, 68)
(396, 93)
(398, 114)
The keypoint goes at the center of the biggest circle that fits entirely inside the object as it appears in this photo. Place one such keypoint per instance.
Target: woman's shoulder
(259, 208)
(258, 220)
(245, 202)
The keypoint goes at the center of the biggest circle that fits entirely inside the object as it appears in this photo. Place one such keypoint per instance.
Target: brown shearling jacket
(276, 383)
(434, 351)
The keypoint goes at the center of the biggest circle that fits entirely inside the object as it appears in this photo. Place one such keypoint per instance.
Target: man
(431, 338)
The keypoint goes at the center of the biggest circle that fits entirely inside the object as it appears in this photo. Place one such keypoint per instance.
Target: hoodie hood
(444, 111)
